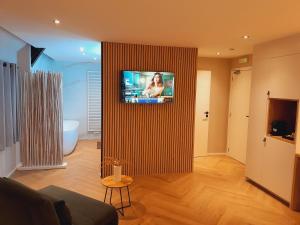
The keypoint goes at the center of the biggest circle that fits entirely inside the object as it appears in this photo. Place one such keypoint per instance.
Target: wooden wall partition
(154, 139)
(41, 120)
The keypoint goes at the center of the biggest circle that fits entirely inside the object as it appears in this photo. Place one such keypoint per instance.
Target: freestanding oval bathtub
(70, 136)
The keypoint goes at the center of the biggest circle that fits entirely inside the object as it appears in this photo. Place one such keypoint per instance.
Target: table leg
(110, 195)
(128, 196)
(105, 194)
(122, 207)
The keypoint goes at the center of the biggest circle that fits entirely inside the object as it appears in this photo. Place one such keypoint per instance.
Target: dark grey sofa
(20, 205)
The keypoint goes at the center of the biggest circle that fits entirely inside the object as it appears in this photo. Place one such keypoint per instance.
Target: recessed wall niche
(282, 119)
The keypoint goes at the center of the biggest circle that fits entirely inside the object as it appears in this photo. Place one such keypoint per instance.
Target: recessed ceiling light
(218, 53)
(56, 21)
(81, 49)
(246, 36)
(95, 58)
(83, 53)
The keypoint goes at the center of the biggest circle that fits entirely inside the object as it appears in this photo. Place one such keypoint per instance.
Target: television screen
(143, 87)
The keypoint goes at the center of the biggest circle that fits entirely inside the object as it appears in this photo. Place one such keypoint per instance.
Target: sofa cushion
(21, 205)
(10, 207)
(62, 211)
(84, 210)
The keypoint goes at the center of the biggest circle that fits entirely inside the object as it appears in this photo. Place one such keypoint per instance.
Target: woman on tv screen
(156, 86)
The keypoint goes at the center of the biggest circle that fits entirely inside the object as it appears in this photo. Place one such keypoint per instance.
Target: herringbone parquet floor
(216, 193)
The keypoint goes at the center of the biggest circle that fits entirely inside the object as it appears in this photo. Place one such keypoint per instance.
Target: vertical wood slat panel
(41, 120)
(154, 139)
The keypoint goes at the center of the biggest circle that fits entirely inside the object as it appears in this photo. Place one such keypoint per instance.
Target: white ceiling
(211, 25)
(9, 46)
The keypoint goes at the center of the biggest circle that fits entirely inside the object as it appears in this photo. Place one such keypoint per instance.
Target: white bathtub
(70, 136)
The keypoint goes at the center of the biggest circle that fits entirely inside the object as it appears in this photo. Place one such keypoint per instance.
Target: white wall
(219, 101)
(9, 45)
(75, 93)
(9, 160)
(44, 63)
(24, 58)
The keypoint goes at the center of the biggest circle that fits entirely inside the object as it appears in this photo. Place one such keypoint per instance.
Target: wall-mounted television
(143, 87)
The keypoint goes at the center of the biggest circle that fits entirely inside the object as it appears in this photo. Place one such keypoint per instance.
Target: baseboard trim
(217, 153)
(62, 166)
(89, 138)
(212, 154)
(267, 191)
(11, 172)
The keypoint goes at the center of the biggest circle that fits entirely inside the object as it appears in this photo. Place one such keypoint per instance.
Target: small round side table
(109, 183)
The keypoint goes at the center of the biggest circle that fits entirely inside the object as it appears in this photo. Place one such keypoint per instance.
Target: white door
(239, 114)
(202, 112)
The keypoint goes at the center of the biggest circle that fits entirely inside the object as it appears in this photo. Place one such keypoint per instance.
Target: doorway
(239, 113)
(203, 87)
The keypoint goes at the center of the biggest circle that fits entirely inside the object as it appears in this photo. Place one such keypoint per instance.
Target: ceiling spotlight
(81, 49)
(246, 36)
(95, 58)
(218, 53)
(56, 21)
(83, 53)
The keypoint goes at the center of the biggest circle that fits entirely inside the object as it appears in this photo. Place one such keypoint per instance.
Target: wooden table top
(109, 181)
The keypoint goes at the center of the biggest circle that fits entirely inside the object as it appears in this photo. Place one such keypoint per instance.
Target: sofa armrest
(84, 210)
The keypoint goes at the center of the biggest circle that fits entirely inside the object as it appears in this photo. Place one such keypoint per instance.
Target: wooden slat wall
(154, 139)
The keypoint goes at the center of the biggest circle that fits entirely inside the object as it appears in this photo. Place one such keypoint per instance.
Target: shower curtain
(9, 100)
(41, 120)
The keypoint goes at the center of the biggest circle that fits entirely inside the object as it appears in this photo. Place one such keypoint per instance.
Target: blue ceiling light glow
(96, 49)
(91, 49)
(75, 50)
